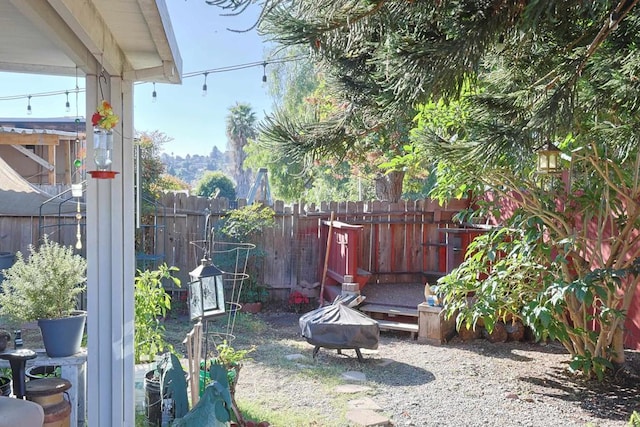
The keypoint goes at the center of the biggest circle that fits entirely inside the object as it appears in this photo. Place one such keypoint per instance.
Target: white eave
(129, 38)
(19, 131)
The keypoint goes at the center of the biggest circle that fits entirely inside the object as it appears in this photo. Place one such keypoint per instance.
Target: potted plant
(44, 288)
(252, 296)
(231, 361)
(37, 372)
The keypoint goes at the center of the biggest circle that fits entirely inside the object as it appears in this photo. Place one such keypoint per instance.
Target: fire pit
(339, 327)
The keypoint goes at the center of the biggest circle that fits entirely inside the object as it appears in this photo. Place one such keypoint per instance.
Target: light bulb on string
(29, 105)
(264, 72)
(204, 86)
(154, 94)
(67, 106)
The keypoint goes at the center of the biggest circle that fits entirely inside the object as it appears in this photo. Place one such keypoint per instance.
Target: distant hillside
(191, 168)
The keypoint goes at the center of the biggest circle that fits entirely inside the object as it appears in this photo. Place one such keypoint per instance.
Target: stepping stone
(364, 403)
(367, 418)
(385, 362)
(296, 356)
(354, 376)
(302, 366)
(351, 388)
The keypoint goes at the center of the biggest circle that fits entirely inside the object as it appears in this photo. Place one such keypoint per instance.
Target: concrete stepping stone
(367, 418)
(351, 388)
(364, 403)
(385, 362)
(354, 376)
(296, 356)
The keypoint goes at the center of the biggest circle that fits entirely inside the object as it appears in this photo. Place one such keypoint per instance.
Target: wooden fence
(399, 242)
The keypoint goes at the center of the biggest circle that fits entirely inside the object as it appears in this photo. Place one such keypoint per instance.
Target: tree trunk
(389, 186)
(617, 345)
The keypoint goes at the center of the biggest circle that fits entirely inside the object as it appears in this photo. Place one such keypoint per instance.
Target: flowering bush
(104, 117)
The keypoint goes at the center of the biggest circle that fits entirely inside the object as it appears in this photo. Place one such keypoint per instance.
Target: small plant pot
(38, 372)
(203, 382)
(5, 386)
(251, 307)
(152, 399)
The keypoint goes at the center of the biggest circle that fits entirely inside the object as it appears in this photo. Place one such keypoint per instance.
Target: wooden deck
(384, 315)
(388, 325)
(389, 310)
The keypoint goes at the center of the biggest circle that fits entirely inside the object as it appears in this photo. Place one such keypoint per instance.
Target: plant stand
(72, 368)
(433, 328)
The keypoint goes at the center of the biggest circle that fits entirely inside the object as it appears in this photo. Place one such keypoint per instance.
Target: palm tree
(241, 126)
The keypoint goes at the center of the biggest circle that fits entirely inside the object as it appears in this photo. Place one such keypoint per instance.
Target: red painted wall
(632, 324)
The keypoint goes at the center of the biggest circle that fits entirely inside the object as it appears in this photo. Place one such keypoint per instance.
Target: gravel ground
(458, 384)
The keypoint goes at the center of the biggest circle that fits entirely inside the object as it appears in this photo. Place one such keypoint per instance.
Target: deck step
(388, 325)
(389, 310)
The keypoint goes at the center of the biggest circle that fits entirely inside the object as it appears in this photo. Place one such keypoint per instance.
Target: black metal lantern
(206, 292)
(548, 159)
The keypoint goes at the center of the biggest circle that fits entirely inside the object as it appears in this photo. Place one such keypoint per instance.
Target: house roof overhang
(129, 38)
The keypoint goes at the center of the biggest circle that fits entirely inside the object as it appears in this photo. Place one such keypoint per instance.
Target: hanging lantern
(103, 121)
(548, 159)
(206, 292)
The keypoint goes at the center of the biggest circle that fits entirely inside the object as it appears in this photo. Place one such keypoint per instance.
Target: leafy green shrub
(252, 292)
(151, 304)
(45, 285)
(241, 224)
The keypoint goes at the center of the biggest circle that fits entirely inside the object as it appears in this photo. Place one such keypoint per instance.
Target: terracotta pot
(251, 307)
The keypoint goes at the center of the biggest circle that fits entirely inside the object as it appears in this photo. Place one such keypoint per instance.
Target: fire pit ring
(339, 327)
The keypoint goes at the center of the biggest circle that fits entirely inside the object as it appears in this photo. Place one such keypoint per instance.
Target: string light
(204, 86)
(154, 93)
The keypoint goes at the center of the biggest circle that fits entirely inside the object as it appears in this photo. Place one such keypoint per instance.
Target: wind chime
(77, 187)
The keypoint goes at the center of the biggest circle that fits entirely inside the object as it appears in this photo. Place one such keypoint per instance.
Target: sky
(195, 123)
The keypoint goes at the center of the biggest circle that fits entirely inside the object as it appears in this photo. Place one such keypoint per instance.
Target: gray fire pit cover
(338, 326)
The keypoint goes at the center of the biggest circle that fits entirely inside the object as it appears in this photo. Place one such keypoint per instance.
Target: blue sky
(195, 123)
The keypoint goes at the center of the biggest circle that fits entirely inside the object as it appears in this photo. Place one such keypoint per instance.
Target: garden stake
(326, 261)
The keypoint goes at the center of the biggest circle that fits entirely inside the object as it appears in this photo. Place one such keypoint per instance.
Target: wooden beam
(51, 155)
(166, 71)
(37, 69)
(67, 162)
(50, 23)
(85, 21)
(34, 157)
(157, 16)
(11, 138)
